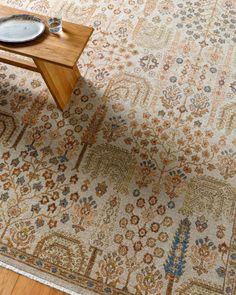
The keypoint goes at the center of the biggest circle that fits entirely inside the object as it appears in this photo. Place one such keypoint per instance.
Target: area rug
(131, 190)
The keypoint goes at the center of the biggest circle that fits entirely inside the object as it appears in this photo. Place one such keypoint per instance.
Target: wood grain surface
(64, 48)
(13, 284)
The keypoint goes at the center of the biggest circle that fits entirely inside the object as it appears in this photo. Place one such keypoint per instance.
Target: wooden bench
(54, 56)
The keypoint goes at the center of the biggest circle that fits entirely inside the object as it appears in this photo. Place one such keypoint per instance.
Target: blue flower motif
(37, 186)
(66, 190)
(39, 263)
(20, 180)
(15, 162)
(161, 113)
(61, 178)
(2, 165)
(221, 272)
(207, 89)
(54, 269)
(35, 208)
(136, 192)
(3, 249)
(39, 222)
(97, 23)
(53, 161)
(232, 273)
(90, 201)
(4, 197)
(65, 218)
(34, 154)
(90, 284)
(30, 147)
(63, 203)
(173, 79)
(63, 159)
(233, 256)
(197, 123)
(171, 205)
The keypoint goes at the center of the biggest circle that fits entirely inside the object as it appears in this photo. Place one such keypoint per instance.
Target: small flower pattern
(131, 189)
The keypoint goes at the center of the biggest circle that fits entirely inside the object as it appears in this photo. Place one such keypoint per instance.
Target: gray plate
(20, 28)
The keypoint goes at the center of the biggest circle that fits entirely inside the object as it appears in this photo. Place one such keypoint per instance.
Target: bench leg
(60, 80)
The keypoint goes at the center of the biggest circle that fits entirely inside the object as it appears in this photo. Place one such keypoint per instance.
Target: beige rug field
(131, 190)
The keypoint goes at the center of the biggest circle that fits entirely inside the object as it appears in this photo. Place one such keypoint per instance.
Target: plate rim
(21, 15)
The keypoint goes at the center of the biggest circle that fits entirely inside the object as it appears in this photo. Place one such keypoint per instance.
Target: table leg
(60, 80)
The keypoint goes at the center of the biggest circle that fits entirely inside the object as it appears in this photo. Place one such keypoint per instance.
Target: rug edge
(30, 275)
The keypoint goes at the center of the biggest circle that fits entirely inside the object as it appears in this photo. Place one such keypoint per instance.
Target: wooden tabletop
(64, 48)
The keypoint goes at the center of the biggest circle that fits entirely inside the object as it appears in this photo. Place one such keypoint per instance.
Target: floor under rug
(131, 190)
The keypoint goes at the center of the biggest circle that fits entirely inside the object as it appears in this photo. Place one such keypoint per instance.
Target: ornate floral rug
(131, 190)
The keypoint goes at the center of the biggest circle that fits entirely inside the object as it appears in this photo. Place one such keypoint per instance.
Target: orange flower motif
(155, 121)
(25, 167)
(203, 255)
(44, 199)
(7, 185)
(47, 174)
(129, 235)
(148, 258)
(50, 184)
(188, 152)
(198, 133)
(181, 142)
(52, 223)
(52, 208)
(149, 281)
(215, 148)
(62, 167)
(155, 227)
(134, 219)
(118, 239)
(227, 164)
(163, 237)
(138, 246)
(123, 250)
(197, 148)
(16, 171)
(110, 267)
(148, 214)
(74, 179)
(74, 197)
(187, 169)
(186, 129)
(25, 189)
(140, 203)
(199, 170)
(206, 154)
(142, 232)
(84, 213)
(123, 223)
(152, 200)
(151, 242)
(166, 124)
(22, 234)
(55, 196)
(146, 115)
(6, 156)
(14, 211)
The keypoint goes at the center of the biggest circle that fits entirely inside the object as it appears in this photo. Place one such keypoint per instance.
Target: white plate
(20, 28)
